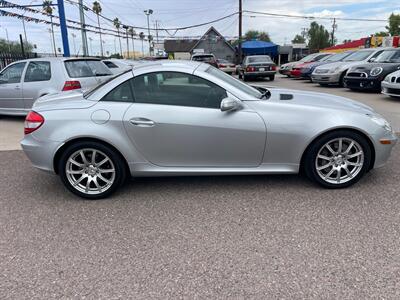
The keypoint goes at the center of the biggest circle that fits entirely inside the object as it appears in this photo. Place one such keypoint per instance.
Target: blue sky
(177, 13)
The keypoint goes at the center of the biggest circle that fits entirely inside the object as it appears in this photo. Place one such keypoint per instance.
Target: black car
(370, 75)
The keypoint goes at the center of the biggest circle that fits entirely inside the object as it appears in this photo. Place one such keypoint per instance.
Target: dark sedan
(370, 75)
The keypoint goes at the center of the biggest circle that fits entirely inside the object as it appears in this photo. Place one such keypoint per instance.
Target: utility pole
(148, 12)
(73, 40)
(240, 33)
(91, 47)
(83, 30)
(334, 27)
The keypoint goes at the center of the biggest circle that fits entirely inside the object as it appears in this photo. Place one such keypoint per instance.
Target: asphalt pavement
(226, 237)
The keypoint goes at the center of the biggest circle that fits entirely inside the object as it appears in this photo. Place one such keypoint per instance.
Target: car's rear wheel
(338, 159)
(91, 170)
(272, 78)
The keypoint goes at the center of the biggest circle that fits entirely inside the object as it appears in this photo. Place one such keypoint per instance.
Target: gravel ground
(265, 237)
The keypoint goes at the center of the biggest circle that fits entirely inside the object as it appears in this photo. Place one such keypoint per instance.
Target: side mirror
(372, 59)
(229, 104)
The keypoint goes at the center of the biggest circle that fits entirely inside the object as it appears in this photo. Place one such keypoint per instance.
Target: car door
(11, 97)
(37, 78)
(176, 121)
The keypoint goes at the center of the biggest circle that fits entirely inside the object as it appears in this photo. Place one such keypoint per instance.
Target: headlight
(387, 78)
(381, 122)
(334, 70)
(376, 71)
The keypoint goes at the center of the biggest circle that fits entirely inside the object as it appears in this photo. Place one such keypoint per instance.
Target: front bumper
(383, 151)
(40, 153)
(284, 71)
(390, 89)
(326, 78)
(358, 83)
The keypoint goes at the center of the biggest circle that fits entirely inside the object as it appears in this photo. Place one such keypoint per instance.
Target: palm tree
(48, 9)
(142, 36)
(132, 34)
(117, 24)
(97, 10)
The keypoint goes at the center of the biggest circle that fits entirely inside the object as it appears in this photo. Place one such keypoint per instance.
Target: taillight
(250, 69)
(32, 122)
(221, 65)
(71, 85)
(273, 68)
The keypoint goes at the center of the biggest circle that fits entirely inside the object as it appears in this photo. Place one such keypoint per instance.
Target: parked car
(207, 58)
(189, 118)
(22, 82)
(296, 70)
(333, 73)
(118, 66)
(285, 69)
(369, 76)
(307, 70)
(255, 66)
(391, 84)
(226, 66)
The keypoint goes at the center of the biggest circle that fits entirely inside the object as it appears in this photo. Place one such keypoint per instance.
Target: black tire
(240, 75)
(116, 159)
(341, 79)
(309, 162)
(323, 84)
(245, 78)
(272, 78)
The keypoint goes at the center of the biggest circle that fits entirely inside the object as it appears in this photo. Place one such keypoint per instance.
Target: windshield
(256, 59)
(234, 82)
(389, 56)
(86, 68)
(359, 55)
(338, 57)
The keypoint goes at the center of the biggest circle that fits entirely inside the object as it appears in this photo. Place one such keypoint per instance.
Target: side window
(12, 74)
(110, 64)
(174, 88)
(38, 71)
(376, 54)
(122, 93)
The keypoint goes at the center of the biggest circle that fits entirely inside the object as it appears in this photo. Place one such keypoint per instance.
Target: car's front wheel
(91, 170)
(338, 159)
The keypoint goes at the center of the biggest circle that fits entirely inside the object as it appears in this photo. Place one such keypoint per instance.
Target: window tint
(12, 74)
(122, 93)
(38, 71)
(86, 68)
(173, 88)
(389, 56)
(110, 64)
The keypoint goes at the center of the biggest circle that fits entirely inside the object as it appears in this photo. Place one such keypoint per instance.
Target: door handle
(142, 122)
(17, 87)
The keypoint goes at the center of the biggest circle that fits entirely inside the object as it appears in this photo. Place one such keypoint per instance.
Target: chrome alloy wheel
(339, 160)
(90, 171)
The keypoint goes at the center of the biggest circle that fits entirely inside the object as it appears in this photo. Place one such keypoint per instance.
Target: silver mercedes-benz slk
(189, 118)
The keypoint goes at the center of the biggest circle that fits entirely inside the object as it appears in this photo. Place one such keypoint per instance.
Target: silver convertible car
(189, 118)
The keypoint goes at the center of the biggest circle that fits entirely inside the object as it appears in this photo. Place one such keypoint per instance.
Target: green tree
(48, 9)
(14, 47)
(298, 39)
(394, 24)
(381, 33)
(97, 10)
(319, 37)
(257, 35)
(117, 24)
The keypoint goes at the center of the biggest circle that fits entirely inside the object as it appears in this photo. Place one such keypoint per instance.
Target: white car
(24, 81)
(391, 84)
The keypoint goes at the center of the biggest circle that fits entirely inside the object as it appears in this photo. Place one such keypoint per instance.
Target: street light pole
(148, 12)
(73, 40)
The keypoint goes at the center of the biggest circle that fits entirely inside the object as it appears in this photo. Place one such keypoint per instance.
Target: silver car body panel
(391, 84)
(264, 136)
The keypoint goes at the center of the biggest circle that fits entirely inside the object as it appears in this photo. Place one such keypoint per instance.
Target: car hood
(62, 100)
(321, 100)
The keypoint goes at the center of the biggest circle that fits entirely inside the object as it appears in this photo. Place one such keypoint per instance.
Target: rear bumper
(372, 84)
(228, 69)
(40, 153)
(390, 89)
(325, 78)
(260, 74)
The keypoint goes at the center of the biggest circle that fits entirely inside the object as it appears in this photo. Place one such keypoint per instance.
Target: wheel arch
(60, 150)
(360, 132)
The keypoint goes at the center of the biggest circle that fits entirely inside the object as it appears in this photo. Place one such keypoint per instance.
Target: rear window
(203, 58)
(110, 64)
(86, 68)
(259, 59)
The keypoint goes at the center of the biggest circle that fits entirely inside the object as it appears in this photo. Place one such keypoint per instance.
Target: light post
(148, 12)
(23, 22)
(73, 40)
(90, 43)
